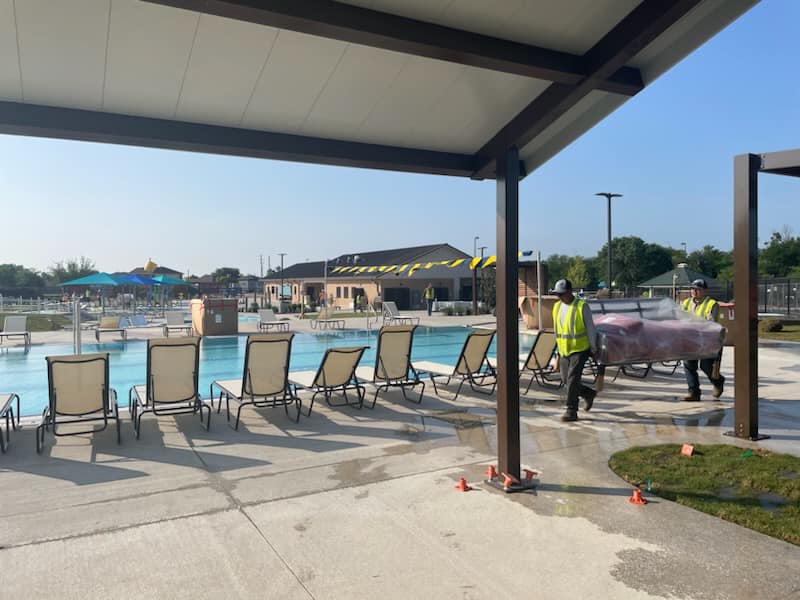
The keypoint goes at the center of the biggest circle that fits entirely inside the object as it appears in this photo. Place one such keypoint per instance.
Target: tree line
(18, 276)
(635, 261)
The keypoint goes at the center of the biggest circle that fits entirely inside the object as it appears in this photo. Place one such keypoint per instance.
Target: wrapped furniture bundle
(624, 339)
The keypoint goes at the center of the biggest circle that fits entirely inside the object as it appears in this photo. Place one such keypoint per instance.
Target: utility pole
(280, 292)
(475, 276)
(608, 196)
(261, 263)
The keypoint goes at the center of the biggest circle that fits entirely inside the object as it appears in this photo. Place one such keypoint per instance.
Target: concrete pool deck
(360, 504)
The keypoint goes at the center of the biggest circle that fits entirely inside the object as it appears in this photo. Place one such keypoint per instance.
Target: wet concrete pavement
(360, 504)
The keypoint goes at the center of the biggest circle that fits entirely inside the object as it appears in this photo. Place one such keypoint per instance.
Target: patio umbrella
(165, 280)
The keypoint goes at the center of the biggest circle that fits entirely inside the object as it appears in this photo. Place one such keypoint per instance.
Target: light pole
(482, 248)
(608, 196)
(280, 292)
(475, 276)
(685, 255)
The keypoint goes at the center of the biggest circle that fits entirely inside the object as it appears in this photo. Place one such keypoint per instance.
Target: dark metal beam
(745, 282)
(786, 162)
(642, 26)
(92, 126)
(357, 25)
(508, 442)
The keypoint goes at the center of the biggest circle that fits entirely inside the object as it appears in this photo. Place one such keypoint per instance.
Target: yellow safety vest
(701, 309)
(429, 292)
(571, 337)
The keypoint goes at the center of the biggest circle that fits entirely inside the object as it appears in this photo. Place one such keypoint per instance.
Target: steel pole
(76, 326)
(608, 198)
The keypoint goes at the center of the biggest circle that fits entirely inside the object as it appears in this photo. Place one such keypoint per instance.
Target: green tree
(73, 268)
(226, 275)
(578, 274)
(710, 261)
(557, 266)
(634, 261)
(15, 276)
(781, 256)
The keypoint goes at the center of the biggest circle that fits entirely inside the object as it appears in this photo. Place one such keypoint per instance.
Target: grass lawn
(790, 333)
(757, 489)
(41, 322)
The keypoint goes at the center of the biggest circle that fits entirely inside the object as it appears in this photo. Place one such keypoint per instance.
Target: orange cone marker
(529, 475)
(509, 479)
(491, 473)
(463, 486)
(637, 498)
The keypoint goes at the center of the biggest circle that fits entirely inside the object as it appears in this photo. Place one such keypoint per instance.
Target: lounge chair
(265, 377)
(393, 366)
(7, 411)
(79, 392)
(324, 320)
(110, 325)
(176, 322)
(539, 361)
(472, 366)
(336, 373)
(172, 379)
(267, 320)
(16, 327)
(392, 316)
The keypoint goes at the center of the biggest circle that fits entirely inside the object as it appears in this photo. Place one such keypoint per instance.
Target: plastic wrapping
(672, 334)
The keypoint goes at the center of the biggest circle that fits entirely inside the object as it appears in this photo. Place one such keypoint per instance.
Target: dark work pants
(571, 373)
(429, 302)
(707, 366)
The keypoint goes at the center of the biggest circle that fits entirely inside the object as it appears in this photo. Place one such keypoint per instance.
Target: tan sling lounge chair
(78, 391)
(176, 322)
(172, 379)
(265, 378)
(16, 327)
(7, 411)
(267, 320)
(392, 316)
(472, 366)
(336, 373)
(110, 325)
(393, 366)
(324, 320)
(539, 362)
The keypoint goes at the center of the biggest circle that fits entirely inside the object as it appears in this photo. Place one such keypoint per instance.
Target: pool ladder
(371, 312)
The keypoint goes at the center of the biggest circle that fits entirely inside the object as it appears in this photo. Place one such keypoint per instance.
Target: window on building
(346, 292)
(338, 292)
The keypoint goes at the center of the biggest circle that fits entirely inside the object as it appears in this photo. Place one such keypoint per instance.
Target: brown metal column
(508, 446)
(745, 283)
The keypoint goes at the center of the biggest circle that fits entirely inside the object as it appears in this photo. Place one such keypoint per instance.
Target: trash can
(215, 316)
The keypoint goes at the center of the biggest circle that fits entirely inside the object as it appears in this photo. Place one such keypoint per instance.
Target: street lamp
(482, 248)
(684, 249)
(280, 292)
(608, 196)
(475, 276)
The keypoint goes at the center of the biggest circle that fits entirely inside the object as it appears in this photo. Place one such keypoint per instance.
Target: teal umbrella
(95, 279)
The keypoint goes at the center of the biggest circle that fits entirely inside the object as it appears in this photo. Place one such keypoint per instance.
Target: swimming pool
(25, 373)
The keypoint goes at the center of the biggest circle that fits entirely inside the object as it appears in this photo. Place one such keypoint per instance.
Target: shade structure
(132, 279)
(165, 280)
(98, 279)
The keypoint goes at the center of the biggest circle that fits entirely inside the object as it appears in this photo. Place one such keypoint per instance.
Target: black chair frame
(7, 411)
(352, 383)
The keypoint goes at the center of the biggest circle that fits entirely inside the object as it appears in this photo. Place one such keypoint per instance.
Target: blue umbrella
(95, 279)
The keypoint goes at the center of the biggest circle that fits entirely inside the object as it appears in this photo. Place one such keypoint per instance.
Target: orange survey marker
(529, 475)
(491, 473)
(463, 486)
(687, 450)
(637, 498)
(508, 480)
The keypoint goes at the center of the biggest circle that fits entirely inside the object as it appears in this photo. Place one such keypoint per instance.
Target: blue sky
(669, 151)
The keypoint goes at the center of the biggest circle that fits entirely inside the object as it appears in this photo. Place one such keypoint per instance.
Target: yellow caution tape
(489, 261)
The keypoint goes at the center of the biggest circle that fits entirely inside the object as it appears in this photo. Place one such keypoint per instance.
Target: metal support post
(745, 268)
(76, 326)
(508, 442)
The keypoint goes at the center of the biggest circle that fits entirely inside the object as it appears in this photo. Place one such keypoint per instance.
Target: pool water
(25, 373)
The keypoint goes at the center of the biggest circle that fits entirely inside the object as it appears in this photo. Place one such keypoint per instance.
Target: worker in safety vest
(428, 295)
(705, 307)
(575, 338)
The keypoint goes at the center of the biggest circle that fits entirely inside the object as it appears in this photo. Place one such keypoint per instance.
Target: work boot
(692, 397)
(569, 416)
(718, 389)
(588, 400)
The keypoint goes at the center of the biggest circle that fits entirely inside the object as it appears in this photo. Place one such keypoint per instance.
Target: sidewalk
(360, 504)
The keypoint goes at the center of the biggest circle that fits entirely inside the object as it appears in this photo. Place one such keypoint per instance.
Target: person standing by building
(703, 306)
(428, 295)
(576, 340)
